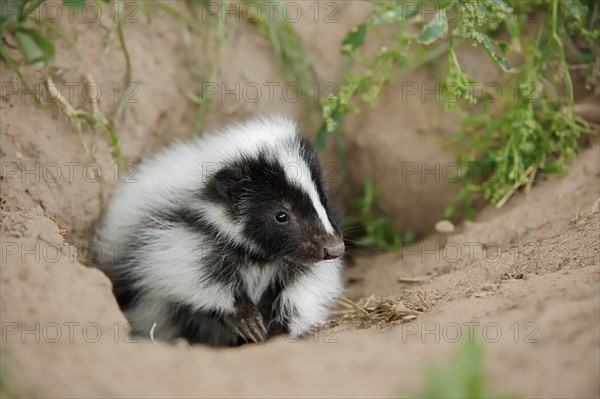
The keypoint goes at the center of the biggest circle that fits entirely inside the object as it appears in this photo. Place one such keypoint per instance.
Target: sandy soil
(527, 274)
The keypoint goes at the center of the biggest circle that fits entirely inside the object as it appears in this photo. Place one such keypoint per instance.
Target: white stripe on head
(298, 173)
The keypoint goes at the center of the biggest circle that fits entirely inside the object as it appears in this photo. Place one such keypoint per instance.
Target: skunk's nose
(335, 250)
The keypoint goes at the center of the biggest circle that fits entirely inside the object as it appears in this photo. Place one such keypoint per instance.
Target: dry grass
(381, 313)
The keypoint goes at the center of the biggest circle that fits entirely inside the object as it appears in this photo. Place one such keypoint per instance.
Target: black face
(278, 217)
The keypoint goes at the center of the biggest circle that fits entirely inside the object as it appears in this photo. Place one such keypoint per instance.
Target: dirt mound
(534, 299)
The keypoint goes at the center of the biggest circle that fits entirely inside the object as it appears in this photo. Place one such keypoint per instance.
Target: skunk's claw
(248, 331)
(247, 323)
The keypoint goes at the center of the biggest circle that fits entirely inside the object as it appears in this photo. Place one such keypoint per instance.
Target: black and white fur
(196, 243)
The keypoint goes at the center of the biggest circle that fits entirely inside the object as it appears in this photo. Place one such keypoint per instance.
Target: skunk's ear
(224, 188)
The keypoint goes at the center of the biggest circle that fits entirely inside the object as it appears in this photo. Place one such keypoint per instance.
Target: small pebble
(444, 226)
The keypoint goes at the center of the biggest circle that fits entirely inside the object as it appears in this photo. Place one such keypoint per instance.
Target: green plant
(96, 120)
(285, 43)
(378, 231)
(17, 21)
(462, 378)
(33, 44)
(502, 144)
(202, 99)
(288, 50)
(536, 128)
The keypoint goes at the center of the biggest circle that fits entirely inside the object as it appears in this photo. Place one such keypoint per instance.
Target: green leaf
(35, 46)
(449, 209)
(77, 5)
(394, 14)
(322, 137)
(527, 147)
(408, 237)
(324, 133)
(467, 209)
(10, 10)
(468, 362)
(369, 192)
(114, 140)
(86, 118)
(6, 57)
(28, 8)
(574, 8)
(553, 169)
(436, 29)
(489, 48)
(354, 39)
(504, 47)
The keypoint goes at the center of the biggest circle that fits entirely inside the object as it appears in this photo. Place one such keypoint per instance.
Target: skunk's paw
(247, 323)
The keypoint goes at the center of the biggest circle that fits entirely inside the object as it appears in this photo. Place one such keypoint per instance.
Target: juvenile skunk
(225, 239)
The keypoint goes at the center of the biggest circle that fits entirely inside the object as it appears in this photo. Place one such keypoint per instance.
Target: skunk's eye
(282, 217)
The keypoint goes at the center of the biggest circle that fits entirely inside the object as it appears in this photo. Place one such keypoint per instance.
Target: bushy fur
(191, 241)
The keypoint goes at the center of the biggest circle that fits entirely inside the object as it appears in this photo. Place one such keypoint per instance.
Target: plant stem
(214, 73)
(29, 10)
(128, 74)
(563, 60)
(13, 65)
